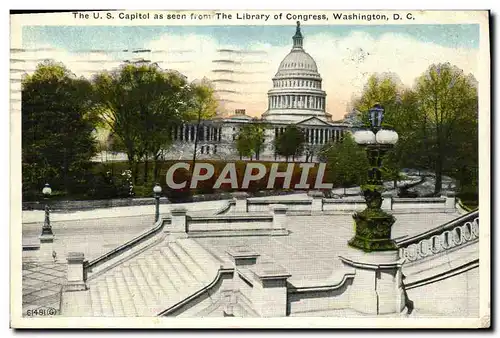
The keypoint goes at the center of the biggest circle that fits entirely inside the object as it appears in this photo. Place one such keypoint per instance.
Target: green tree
(447, 103)
(202, 104)
(290, 143)
(243, 142)
(251, 139)
(383, 89)
(139, 104)
(57, 138)
(347, 164)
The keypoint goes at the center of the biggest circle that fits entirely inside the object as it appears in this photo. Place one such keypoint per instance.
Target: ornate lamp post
(157, 194)
(47, 229)
(373, 225)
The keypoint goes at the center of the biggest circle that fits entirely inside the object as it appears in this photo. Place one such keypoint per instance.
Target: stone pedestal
(242, 257)
(449, 204)
(240, 199)
(386, 201)
(46, 248)
(179, 226)
(317, 201)
(279, 216)
(76, 275)
(269, 296)
(377, 287)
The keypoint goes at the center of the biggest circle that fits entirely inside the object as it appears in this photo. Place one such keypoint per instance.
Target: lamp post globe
(157, 189)
(157, 193)
(385, 136)
(363, 137)
(47, 190)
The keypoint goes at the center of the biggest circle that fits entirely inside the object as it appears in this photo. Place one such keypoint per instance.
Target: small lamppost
(47, 229)
(157, 193)
(373, 225)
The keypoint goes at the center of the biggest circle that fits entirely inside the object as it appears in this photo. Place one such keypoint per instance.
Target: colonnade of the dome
(296, 101)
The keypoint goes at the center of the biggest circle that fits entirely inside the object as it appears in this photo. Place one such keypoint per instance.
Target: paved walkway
(311, 250)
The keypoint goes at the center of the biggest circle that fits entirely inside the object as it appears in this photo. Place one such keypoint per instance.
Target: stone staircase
(153, 281)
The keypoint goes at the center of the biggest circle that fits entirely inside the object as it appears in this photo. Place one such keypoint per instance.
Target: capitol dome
(298, 60)
(296, 94)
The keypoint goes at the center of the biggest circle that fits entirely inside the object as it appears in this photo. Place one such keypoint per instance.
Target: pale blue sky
(126, 37)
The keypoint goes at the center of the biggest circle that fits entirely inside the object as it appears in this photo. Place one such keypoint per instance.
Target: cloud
(242, 76)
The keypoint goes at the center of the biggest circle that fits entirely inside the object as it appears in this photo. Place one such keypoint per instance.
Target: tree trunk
(439, 176)
(146, 167)
(155, 170)
(136, 171)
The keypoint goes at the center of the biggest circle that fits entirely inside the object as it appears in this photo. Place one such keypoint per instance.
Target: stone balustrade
(459, 232)
(315, 203)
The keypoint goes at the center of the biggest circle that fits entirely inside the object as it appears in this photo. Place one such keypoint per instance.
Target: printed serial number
(41, 312)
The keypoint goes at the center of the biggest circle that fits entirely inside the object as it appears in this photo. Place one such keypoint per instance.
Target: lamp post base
(373, 231)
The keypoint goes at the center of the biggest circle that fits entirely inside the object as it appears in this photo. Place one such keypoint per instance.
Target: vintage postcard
(215, 169)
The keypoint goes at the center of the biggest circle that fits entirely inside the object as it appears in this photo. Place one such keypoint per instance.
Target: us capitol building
(295, 98)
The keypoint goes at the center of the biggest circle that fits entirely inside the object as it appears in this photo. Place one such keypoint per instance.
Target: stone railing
(315, 203)
(458, 232)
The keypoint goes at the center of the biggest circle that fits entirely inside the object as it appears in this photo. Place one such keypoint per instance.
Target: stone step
(135, 292)
(107, 307)
(148, 293)
(188, 262)
(124, 294)
(161, 275)
(170, 272)
(95, 300)
(152, 280)
(185, 277)
(114, 297)
(205, 259)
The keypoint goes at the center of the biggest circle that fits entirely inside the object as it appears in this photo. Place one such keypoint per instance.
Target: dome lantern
(297, 38)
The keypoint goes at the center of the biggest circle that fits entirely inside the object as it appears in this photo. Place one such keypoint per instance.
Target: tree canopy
(290, 143)
(250, 140)
(347, 164)
(57, 140)
(141, 104)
